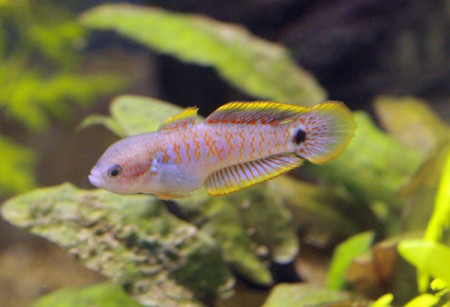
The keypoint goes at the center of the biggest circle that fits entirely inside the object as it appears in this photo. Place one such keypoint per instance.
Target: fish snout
(95, 179)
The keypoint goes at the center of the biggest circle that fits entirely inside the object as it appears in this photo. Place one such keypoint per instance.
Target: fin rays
(181, 120)
(260, 112)
(239, 176)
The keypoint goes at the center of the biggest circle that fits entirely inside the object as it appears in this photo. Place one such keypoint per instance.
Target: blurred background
(54, 72)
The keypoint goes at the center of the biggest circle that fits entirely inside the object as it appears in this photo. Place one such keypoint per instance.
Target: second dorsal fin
(259, 112)
(181, 120)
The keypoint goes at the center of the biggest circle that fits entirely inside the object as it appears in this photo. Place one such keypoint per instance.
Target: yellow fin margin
(329, 128)
(181, 120)
(259, 112)
(240, 176)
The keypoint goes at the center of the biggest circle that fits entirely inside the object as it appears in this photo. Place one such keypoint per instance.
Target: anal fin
(236, 177)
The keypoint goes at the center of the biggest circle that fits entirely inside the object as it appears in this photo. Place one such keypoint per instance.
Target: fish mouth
(95, 179)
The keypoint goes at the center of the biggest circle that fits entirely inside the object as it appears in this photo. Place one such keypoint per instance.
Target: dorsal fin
(236, 177)
(182, 120)
(260, 112)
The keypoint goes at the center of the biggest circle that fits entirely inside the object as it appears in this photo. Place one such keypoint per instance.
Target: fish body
(238, 145)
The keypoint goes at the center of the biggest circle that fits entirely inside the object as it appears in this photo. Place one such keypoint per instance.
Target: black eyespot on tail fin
(323, 132)
(299, 137)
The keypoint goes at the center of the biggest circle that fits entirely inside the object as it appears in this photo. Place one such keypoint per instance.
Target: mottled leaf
(259, 68)
(268, 221)
(303, 295)
(251, 226)
(159, 259)
(221, 220)
(343, 256)
(102, 295)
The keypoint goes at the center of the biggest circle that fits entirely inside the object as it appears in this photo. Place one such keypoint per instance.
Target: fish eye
(114, 171)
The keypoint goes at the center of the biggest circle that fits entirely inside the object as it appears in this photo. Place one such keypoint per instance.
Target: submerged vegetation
(40, 80)
(387, 195)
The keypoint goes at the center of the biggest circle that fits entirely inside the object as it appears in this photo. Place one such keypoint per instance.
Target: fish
(239, 145)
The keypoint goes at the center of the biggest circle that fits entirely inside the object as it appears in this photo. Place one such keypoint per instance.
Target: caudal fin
(323, 132)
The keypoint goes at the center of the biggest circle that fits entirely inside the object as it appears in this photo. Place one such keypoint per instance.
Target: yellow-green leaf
(429, 257)
(343, 256)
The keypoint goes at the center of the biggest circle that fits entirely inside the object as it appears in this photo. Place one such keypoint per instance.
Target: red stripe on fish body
(238, 145)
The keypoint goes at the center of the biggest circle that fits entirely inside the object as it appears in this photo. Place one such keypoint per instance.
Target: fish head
(123, 168)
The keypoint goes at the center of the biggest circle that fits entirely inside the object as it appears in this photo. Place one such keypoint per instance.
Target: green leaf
(411, 121)
(134, 114)
(440, 220)
(131, 239)
(16, 167)
(303, 295)
(374, 166)
(383, 301)
(101, 295)
(259, 68)
(108, 122)
(343, 256)
(429, 257)
(424, 300)
(420, 193)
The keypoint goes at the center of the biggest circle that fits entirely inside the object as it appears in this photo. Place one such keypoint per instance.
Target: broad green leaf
(440, 220)
(374, 166)
(108, 122)
(343, 256)
(429, 257)
(411, 121)
(303, 295)
(383, 301)
(420, 193)
(101, 295)
(131, 239)
(134, 114)
(16, 167)
(423, 300)
(259, 68)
